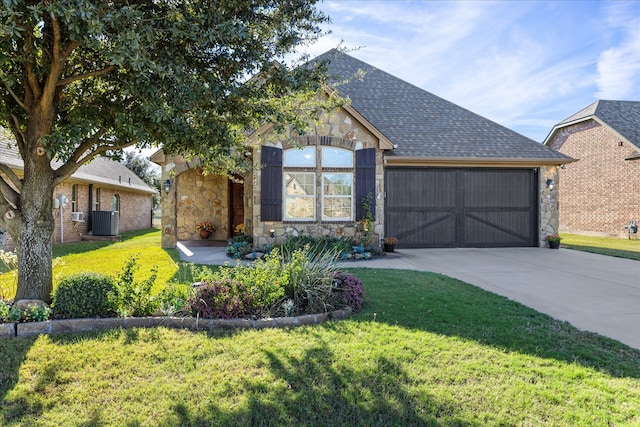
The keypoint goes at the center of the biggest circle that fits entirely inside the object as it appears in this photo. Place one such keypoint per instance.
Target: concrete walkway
(593, 292)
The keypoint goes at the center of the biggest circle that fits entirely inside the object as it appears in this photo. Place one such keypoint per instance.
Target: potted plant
(554, 241)
(205, 228)
(390, 243)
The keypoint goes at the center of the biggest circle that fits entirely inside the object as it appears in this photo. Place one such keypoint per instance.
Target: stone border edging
(29, 329)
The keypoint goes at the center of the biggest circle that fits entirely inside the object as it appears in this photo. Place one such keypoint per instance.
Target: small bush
(173, 298)
(35, 313)
(223, 298)
(134, 298)
(316, 246)
(85, 295)
(239, 249)
(9, 313)
(348, 291)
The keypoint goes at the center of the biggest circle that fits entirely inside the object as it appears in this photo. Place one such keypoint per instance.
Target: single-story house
(600, 192)
(102, 185)
(395, 161)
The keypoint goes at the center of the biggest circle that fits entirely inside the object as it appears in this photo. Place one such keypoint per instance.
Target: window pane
(337, 184)
(300, 184)
(300, 192)
(336, 157)
(305, 157)
(337, 196)
(300, 208)
(337, 208)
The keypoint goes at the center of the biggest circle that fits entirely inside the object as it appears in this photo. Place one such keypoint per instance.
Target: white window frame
(288, 197)
(324, 196)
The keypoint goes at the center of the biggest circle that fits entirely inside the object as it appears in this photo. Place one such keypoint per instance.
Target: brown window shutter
(365, 180)
(271, 184)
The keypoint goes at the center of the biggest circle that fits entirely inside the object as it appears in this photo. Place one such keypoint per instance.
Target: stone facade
(338, 129)
(196, 197)
(202, 198)
(600, 190)
(548, 205)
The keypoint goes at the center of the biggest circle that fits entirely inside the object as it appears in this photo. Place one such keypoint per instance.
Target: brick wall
(135, 212)
(600, 191)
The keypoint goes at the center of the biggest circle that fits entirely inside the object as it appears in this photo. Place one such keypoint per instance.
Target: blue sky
(524, 64)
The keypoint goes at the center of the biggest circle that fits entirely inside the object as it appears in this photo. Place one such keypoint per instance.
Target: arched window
(116, 203)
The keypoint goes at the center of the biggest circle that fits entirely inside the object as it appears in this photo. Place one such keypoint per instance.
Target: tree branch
(21, 138)
(85, 153)
(15, 97)
(10, 195)
(11, 175)
(68, 80)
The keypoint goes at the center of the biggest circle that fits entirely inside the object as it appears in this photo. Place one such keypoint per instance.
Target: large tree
(80, 78)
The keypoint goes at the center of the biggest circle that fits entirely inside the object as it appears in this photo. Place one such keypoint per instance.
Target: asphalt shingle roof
(99, 171)
(422, 124)
(621, 116)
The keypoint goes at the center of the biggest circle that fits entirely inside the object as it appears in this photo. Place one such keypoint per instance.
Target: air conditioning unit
(77, 216)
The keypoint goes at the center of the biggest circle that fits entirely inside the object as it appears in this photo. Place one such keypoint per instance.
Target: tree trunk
(32, 228)
(33, 239)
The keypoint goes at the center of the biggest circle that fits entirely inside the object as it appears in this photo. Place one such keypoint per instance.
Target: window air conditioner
(77, 216)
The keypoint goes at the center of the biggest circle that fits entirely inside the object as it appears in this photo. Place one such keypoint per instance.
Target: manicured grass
(622, 248)
(426, 350)
(109, 258)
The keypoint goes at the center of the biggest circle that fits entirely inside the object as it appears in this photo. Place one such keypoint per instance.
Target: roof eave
(473, 162)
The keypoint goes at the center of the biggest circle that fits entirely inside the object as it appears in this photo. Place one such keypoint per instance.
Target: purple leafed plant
(223, 299)
(347, 290)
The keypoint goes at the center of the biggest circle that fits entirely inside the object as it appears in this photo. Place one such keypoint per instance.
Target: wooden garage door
(433, 207)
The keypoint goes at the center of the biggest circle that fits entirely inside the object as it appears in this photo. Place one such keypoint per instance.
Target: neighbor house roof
(99, 171)
(425, 127)
(622, 117)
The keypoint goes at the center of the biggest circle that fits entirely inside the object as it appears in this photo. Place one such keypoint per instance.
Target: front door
(237, 204)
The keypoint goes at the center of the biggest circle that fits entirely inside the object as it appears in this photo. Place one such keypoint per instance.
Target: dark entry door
(443, 207)
(237, 205)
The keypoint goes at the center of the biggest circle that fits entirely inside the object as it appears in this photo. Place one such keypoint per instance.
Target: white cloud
(619, 66)
(525, 65)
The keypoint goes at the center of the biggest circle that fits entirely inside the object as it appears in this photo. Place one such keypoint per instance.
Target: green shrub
(316, 246)
(134, 298)
(35, 313)
(85, 295)
(9, 313)
(173, 298)
(310, 279)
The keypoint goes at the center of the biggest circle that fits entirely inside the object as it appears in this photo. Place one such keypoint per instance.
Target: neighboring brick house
(427, 171)
(102, 185)
(600, 192)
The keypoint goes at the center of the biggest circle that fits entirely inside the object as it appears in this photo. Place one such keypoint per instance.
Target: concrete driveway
(593, 292)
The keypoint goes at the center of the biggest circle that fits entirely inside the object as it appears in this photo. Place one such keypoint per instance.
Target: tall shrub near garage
(85, 295)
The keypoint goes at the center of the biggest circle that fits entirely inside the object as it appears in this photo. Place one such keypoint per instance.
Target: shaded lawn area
(611, 246)
(426, 350)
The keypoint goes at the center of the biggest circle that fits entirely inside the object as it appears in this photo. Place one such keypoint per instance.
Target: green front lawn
(426, 350)
(612, 246)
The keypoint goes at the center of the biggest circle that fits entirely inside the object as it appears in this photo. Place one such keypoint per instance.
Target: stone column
(549, 212)
(169, 229)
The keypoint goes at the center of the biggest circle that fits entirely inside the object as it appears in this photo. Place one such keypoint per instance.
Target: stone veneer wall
(549, 203)
(345, 132)
(202, 198)
(600, 190)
